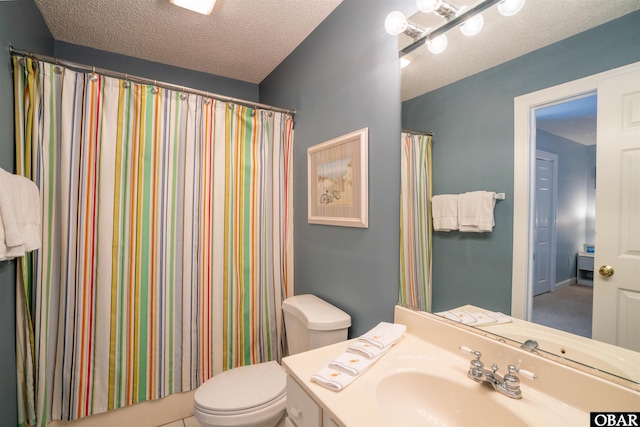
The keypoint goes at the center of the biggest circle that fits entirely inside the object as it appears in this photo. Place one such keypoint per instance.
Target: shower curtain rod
(143, 80)
(418, 132)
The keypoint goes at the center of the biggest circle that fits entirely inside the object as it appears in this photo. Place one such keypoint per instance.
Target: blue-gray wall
(576, 198)
(21, 26)
(473, 150)
(346, 76)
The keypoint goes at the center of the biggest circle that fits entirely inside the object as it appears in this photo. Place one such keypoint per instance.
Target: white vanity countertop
(356, 406)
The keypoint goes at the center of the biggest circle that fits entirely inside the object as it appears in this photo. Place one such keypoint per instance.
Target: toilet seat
(243, 390)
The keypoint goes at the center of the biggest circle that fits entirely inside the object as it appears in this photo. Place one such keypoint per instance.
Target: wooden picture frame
(338, 181)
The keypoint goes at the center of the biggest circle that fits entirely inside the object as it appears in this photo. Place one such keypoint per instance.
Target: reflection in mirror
(505, 40)
(617, 361)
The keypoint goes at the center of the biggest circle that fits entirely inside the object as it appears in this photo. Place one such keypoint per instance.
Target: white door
(616, 297)
(544, 226)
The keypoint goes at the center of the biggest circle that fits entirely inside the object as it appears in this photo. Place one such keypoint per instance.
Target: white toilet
(255, 395)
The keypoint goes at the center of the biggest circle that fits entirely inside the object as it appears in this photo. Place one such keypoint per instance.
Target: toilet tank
(311, 322)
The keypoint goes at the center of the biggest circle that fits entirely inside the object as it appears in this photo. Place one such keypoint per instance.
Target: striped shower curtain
(167, 240)
(415, 221)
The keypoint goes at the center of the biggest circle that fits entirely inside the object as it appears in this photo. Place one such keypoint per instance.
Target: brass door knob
(606, 270)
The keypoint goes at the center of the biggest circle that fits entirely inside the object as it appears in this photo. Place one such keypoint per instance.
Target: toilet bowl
(255, 395)
(252, 395)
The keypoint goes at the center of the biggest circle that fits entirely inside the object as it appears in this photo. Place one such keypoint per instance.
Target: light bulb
(473, 25)
(428, 6)
(204, 7)
(395, 23)
(437, 45)
(510, 7)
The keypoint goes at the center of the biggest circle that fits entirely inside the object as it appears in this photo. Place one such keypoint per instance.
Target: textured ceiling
(538, 24)
(241, 39)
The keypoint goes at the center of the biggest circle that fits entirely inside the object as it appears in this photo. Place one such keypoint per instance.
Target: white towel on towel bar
(444, 209)
(20, 222)
(476, 211)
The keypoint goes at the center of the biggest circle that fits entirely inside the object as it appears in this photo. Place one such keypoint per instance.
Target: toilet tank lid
(315, 313)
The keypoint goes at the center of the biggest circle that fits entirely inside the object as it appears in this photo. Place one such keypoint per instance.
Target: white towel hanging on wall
(20, 219)
(476, 212)
(470, 212)
(444, 209)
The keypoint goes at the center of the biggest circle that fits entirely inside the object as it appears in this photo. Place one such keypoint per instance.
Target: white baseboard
(569, 281)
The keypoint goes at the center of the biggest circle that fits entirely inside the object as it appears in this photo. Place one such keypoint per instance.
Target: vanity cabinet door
(327, 421)
(301, 408)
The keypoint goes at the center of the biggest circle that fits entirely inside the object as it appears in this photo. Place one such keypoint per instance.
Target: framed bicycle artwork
(338, 181)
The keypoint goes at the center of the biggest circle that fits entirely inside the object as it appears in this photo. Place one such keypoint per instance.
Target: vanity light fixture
(510, 7)
(473, 25)
(204, 7)
(396, 23)
(437, 44)
(470, 21)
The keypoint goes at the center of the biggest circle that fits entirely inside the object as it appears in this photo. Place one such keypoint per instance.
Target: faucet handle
(466, 349)
(476, 367)
(512, 383)
(527, 374)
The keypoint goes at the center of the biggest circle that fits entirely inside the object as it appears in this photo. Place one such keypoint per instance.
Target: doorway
(564, 213)
(619, 106)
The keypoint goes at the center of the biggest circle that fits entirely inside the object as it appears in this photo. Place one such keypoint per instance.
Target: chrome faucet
(529, 345)
(509, 385)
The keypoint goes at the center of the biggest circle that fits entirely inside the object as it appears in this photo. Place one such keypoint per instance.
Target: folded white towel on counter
(384, 334)
(458, 316)
(482, 318)
(366, 349)
(444, 211)
(475, 210)
(332, 378)
(352, 363)
(500, 317)
(475, 318)
(360, 355)
(20, 216)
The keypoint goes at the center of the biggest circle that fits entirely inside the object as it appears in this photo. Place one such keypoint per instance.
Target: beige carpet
(568, 309)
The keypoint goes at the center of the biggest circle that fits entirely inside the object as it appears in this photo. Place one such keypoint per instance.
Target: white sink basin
(423, 398)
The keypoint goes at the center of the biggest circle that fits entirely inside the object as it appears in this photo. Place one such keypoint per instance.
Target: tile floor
(186, 422)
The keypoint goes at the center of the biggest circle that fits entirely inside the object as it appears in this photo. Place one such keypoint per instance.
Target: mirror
(467, 56)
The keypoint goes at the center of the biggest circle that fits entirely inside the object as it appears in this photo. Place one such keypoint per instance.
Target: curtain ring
(155, 89)
(57, 69)
(93, 76)
(207, 100)
(125, 82)
(183, 95)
